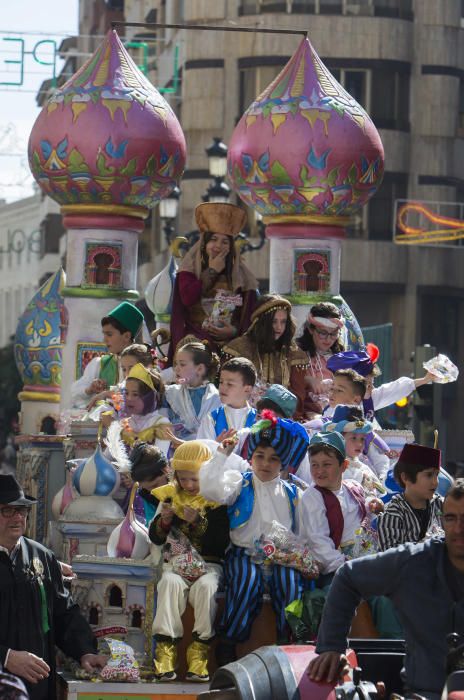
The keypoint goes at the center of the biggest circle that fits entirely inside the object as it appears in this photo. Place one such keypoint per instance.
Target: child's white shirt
(179, 399)
(236, 419)
(79, 399)
(387, 394)
(377, 460)
(313, 526)
(220, 483)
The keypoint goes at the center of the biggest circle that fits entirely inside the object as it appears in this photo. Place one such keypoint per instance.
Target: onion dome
(107, 136)
(96, 476)
(305, 150)
(130, 538)
(39, 341)
(66, 494)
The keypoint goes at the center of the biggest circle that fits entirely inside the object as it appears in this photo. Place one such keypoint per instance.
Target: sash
(109, 369)
(334, 510)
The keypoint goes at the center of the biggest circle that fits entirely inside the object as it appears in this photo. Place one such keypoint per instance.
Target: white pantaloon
(173, 594)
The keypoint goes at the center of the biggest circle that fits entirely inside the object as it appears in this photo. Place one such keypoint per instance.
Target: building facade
(30, 231)
(403, 60)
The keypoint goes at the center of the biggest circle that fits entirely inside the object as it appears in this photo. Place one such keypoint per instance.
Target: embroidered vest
(109, 369)
(220, 419)
(334, 512)
(240, 511)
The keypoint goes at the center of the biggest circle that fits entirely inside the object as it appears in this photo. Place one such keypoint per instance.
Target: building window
(381, 207)
(399, 9)
(460, 132)
(390, 99)
(136, 619)
(356, 83)
(115, 597)
(51, 230)
(253, 81)
(93, 615)
(102, 265)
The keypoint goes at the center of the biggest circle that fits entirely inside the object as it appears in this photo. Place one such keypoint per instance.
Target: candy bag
(122, 665)
(442, 368)
(182, 556)
(220, 310)
(283, 547)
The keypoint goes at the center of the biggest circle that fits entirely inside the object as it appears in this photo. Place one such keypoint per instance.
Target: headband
(329, 323)
(268, 307)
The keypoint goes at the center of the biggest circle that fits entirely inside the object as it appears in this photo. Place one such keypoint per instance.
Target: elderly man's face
(13, 521)
(453, 525)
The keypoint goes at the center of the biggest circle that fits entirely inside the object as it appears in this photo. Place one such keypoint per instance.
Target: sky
(32, 21)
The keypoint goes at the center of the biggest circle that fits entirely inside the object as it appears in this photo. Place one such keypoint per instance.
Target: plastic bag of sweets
(182, 556)
(281, 546)
(122, 666)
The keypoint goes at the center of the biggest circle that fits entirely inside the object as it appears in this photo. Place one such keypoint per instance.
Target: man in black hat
(36, 611)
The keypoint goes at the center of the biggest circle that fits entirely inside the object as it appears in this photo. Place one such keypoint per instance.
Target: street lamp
(168, 209)
(217, 158)
(218, 191)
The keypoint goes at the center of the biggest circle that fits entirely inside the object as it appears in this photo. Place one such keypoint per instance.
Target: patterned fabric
(244, 588)
(288, 438)
(399, 523)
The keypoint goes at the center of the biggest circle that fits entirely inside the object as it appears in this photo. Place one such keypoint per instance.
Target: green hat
(333, 440)
(282, 397)
(129, 316)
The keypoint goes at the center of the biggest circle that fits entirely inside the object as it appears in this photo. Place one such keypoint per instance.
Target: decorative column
(107, 147)
(306, 157)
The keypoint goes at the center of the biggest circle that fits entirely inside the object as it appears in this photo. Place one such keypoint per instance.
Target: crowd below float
(256, 453)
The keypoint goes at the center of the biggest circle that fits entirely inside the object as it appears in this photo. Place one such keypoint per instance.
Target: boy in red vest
(331, 509)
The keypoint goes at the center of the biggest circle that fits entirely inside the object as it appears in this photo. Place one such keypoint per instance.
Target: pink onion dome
(107, 137)
(305, 150)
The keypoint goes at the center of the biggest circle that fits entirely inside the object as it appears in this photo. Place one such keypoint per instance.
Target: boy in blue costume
(255, 498)
(236, 381)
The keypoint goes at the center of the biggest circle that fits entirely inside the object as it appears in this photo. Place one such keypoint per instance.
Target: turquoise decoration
(96, 476)
(40, 337)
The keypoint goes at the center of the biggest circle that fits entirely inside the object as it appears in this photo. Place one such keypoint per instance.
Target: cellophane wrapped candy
(366, 541)
(283, 547)
(182, 556)
(222, 308)
(442, 368)
(122, 665)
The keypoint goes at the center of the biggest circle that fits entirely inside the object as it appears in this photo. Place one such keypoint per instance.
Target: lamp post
(218, 191)
(168, 209)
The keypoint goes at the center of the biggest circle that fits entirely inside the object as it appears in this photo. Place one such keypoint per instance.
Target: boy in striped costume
(255, 498)
(411, 515)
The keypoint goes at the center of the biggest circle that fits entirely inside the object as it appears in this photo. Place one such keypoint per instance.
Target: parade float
(107, 148)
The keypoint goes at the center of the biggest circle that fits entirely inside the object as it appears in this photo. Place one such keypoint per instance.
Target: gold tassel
(435, 439)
